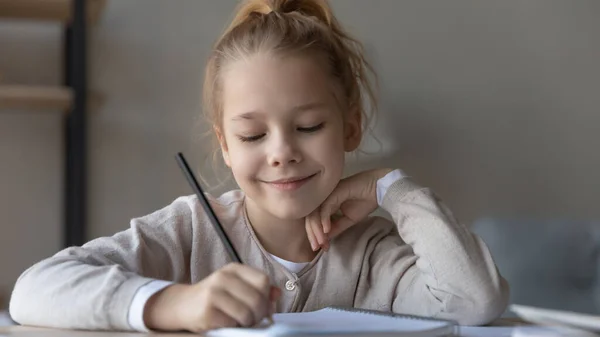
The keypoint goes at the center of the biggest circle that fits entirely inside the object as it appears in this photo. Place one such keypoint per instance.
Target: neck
(285, 239)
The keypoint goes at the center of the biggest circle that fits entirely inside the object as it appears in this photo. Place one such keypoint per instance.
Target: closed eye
(312, 128)
(251, 138)
(260, 136)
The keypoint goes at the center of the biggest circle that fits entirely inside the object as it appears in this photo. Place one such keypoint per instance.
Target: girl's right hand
(235, 295)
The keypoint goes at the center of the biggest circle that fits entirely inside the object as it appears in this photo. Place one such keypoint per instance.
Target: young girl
(285, 90)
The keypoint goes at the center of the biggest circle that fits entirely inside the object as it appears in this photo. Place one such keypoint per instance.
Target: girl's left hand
(354, 198)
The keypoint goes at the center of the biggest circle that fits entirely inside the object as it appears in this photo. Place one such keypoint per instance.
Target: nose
(283, 150)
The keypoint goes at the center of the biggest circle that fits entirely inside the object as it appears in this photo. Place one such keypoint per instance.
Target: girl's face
(283, 133)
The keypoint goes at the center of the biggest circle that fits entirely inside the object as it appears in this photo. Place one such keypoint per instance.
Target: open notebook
(342, 322)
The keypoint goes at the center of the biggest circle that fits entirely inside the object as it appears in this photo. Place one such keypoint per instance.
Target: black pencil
(209, 211)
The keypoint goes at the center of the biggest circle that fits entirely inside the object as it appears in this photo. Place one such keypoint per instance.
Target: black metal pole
(75, 58)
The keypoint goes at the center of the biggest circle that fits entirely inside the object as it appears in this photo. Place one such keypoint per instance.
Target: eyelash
(251, 138)
(312, 128)
(305, 130)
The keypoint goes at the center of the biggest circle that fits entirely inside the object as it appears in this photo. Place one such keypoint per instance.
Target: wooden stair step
(28, 97)
(48, 10)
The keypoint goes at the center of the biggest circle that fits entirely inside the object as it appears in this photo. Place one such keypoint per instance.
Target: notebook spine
(391, 314)
(454, 328)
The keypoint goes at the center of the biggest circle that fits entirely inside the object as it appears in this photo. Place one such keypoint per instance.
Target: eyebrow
(300, 108)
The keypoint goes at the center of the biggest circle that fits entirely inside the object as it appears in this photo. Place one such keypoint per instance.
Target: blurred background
(493, 104)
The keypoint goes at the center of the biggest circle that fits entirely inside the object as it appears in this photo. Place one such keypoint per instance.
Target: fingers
(332, 204)
(254, 277)
(325, 215)
(314, 229)
(248, 289)
(236, 295)
(275, 294)
(218, 319)
(273, 298)
(318, 231)
(258, 304)
(314, 244)
(340, 225)
(232, 307)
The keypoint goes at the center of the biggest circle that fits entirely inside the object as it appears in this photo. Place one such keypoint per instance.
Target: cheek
(244, 161)
(334, 141)
(329, 150)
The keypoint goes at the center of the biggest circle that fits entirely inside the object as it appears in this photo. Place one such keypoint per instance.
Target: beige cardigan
(425, 263)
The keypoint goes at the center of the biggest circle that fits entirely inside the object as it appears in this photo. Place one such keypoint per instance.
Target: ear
(223, 144)
(352, 130)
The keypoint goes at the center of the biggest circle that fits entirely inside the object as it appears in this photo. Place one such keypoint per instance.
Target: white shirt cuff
(384, 183)
(136, 310)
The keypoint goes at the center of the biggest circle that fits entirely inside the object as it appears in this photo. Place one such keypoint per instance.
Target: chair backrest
(552, 264)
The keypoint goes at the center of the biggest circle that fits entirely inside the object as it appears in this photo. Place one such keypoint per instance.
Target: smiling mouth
(290, 184)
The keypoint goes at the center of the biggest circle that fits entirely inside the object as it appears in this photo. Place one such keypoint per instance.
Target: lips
(289, 184)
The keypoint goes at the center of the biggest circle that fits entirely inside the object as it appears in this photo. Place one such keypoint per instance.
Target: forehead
(273, 84)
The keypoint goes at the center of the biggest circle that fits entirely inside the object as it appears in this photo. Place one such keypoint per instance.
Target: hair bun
(316, 8)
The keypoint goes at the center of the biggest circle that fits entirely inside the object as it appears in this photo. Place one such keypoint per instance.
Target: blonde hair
(291, 26)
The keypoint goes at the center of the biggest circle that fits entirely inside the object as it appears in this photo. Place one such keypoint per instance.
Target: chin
(291, 211)
(289, 215)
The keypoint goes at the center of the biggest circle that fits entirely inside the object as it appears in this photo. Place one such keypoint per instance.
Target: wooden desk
(25, 331)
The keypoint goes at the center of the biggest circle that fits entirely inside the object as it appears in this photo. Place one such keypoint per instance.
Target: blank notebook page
(335, 321)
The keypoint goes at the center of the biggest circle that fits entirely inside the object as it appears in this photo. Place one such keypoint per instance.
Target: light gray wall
(30, 153)
(494, 104)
